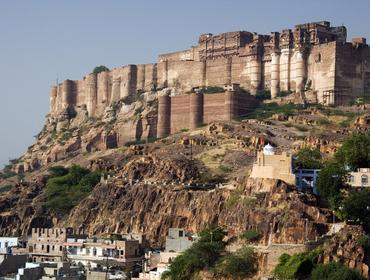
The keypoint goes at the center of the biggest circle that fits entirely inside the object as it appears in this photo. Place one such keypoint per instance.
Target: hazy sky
(41, 41)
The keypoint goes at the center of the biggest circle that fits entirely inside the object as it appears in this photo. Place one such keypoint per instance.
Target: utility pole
(106, 272)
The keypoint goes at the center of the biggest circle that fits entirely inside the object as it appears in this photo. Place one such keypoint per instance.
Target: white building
(92, 252)
(6, 243)
(360, 178)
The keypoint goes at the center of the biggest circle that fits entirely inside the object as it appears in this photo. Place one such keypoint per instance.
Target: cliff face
(278, 213)
(22, 208)
(345, 248)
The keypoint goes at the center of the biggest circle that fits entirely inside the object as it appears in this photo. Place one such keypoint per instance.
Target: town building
(306, 180)
(47, 244)
(93, 252)
(273, 166)
(7, 243)
(177, 241)
(360, 178)
(50, 271)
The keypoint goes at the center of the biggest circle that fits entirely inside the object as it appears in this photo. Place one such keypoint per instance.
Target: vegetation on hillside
(208, 253)
(263, 95)
(251, 236)
(297, 266)
(209, 90)
(334, 271)
(266, 110)
(5, 188)
(67, 187)
(305, 266)
(239, 265)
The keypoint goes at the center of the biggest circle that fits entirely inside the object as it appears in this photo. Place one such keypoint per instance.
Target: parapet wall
(189, 111)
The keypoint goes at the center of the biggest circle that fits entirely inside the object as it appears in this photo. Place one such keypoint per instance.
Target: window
(60, 248)
(351, 179)
(364, 180)
(181, 233)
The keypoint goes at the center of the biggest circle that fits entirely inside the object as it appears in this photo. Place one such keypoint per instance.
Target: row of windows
(48, 247)
(364, 179)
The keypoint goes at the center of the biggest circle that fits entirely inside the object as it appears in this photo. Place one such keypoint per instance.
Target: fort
(313, 57)
(311, 63)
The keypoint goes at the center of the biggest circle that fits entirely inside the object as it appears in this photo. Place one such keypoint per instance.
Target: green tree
(212, 234)
(99, 69)
(251, 235)
(57, 171)
(331, 180)
(308, 159)
(201, 255)
(298, 266)
(356, 208)
(63, 192)
(239, 265)
(334, 271)
(355, 151)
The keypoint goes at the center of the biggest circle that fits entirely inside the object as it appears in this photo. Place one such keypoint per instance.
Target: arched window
(364, 180)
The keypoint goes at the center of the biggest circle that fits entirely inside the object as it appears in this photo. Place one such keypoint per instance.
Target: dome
(268, 150)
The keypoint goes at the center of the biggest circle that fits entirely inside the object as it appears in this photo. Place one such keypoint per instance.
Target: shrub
(355, 207)
(364, 241)
(241, 264)
(99, 69)
(5, 188)
(296, 266)
(212, 233)
(250, 202)
(263, 95)
(57, 171)
(7, 174)
(308, 159)
(208, 90)
(202, 254)
(334, 271)
(266, 110)
(251, 235)
(300, 128)
(284, 93)
(136, 142)
(63, 192)
(232, 201)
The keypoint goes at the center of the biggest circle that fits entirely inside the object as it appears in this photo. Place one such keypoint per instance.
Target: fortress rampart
(313, 57)
(190, 111)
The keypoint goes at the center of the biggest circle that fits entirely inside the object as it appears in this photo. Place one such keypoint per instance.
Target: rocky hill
(189, 179)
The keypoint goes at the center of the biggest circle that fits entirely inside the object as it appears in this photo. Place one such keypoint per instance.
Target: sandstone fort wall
(313, 57)
(189, 111)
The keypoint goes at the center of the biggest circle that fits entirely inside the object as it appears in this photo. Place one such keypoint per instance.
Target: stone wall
(191, 110)
(352, 72)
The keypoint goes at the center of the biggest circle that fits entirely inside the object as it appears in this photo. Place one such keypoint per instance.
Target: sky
(44, 41)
